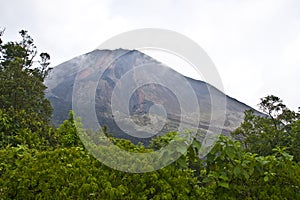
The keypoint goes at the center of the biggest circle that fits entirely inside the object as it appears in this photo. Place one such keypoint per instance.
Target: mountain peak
(116, 64)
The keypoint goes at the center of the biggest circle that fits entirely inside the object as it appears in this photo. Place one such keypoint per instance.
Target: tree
(18, 127)
(233, 173)
(21, 77)
(278, 128)
(24, 111)
(67, 132)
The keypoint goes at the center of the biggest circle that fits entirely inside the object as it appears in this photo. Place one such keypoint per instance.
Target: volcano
(103, 72)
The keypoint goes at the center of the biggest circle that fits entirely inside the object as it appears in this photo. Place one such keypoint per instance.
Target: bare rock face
(106, 68)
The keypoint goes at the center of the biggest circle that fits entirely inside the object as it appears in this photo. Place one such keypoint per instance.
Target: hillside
(113, 65)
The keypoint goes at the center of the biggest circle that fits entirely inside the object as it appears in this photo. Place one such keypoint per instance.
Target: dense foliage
(279, 128)
(259, 161)
(21, 77)
(228, 172)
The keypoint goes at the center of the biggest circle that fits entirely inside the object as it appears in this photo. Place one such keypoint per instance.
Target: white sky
(255, 44)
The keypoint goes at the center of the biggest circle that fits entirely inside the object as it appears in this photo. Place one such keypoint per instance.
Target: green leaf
(246, 175)
(196, 144)
(236, 171)
(266, 178)
(181, 161)
(229, 152)
(223, 177)
(224, 185)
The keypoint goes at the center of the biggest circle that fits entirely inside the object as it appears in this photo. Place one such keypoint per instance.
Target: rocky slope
(114, 65)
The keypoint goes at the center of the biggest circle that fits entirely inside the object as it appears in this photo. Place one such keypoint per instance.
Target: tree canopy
(279, 128)
(21, 77)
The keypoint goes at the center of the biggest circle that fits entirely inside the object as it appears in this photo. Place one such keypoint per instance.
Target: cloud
(292, 52)
(254, 43)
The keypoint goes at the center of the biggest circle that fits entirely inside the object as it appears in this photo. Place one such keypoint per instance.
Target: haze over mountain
(107, 68)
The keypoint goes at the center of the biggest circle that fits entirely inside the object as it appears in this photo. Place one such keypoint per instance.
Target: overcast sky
(255, 44)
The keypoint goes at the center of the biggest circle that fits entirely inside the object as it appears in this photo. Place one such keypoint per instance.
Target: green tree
(295, 146)
(21, 128)
(232, 173)
(24, 111)
(21, 77)
(68, 133)
(278, 128)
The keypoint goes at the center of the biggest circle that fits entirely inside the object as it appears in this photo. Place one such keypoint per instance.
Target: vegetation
(21, 80)
(279, 128)
(259, 161)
